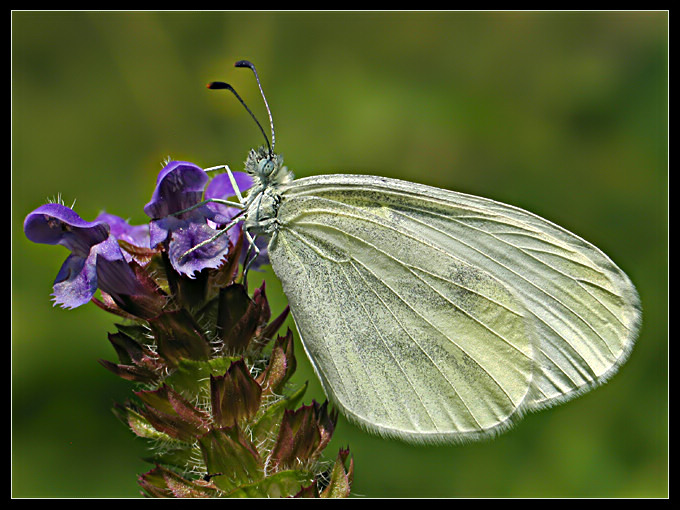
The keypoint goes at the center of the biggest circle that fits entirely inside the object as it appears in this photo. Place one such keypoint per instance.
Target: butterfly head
(267, 167)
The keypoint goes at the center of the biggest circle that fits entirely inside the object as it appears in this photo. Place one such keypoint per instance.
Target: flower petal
(179, 186)
(76, 282)
(58, 224)
(189, 235)
(136, 235)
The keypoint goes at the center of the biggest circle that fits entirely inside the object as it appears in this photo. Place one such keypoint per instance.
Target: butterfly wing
(436, 316)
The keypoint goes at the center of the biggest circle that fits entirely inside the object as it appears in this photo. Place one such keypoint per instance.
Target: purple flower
(180, 186)
(96, 260)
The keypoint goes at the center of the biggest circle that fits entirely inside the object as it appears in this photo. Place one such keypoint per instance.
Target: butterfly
(431, 315)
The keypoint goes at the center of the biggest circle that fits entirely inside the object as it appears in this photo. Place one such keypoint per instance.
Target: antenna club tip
(244, 63)
(217, 85)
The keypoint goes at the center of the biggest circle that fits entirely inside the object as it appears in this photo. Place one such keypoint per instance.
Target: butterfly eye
(266, 167)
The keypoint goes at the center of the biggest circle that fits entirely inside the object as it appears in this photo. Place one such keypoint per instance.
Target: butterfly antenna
(251, 66)
(215, 85)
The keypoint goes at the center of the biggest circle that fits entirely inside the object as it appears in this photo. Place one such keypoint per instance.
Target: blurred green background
(563, 114)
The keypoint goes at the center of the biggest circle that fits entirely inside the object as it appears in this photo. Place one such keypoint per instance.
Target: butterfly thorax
(264, 197)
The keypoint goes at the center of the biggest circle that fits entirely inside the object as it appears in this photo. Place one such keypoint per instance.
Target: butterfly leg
(252, 247)
(248, 261)
(213, 238)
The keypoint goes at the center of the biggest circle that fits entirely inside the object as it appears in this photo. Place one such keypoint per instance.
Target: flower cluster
(209, 367)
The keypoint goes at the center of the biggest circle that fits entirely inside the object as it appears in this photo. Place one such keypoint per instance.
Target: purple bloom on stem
(96, 260)
(180, 186)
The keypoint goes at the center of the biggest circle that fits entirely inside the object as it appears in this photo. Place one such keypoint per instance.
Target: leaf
(169, 412)
(179, 337)
(231, 457)
(281, 365)
(267, 425)
(280, 485)
(192, 377)
(235, 396)
(341, 478)
(163, 483)
(139, 424)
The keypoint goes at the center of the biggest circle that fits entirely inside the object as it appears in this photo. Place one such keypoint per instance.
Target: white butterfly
(435, 316)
